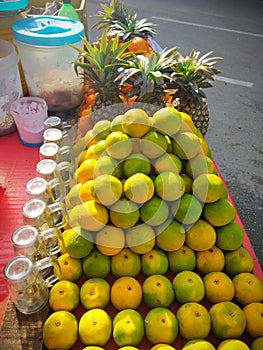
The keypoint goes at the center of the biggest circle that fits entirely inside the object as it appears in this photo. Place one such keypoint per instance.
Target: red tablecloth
(17, 166)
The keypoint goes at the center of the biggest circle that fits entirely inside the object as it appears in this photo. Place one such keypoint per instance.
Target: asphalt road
(234, 31)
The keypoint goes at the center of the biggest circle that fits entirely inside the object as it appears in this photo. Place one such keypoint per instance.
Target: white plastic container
(47, 59)
(10, 85)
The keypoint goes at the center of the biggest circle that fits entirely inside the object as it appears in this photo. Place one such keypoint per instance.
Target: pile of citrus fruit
(153, 255)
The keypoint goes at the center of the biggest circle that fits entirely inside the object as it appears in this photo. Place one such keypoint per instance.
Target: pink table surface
(17, 166)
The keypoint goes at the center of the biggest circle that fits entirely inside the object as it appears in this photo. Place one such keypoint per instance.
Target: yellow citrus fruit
(89, 153)
(140, 238)
(238, 260)
(99, 149)
(254, 319)
(154, 212)
(86, 170)
(167, 120)
(136, 163)
(64, 295)
(128, 348)
(110, 240)
(228, 320)
(198, 165)
(118, 145)
(232, 344)
(169, 186)
(257, 344)
(187, 210)
(125, 263)
(135, 122)
(193, 320)
(188, 182)
(139, 188)
(95, 293)
(198, 344)
(96, 264)
(153, 144)
(210, 260)
(95, 327)
(248, 288)
(187, 123)
(124, 213)
(101, 129)
(157, 290)
(161, 326)
(186, 145)
(86, 191)
(89, 138)
(128, 328)
(60, 330)
(71, 268)
(182, 259)
(229, 236)
(219, 213)
(170, 236)
(91, 347)
(218, 287)
(73, 196)
(188, 287)
(90, 215)
(78, 242)
(200, 236)
(116, 123)
(154, 262)
(208, 188)
(168, 162)
(107, 165)
(126, 293)
(162, 347)
(107, 189)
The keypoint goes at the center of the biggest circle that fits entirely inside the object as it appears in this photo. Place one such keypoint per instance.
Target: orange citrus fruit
(198, 344)
(200, 236)
(60, 330)
(154, 262)
(170, 236)
(219, 213)
(95, 327)
(210, 260)
(95, 293)
(186, 145)
(238, 260)
(140, 238)
(157, 290)
(107, 189)
(168, 162)
(193, 320)
(182, 259)
(78, 242)
(208, 188)
(167, 120)
(169, 186)
(64, 295)
(254, 319)
(139, 188)
(188, 287)
(153, 144)
(110, 240)
(71, 268)
(135, 122)
(228, 320)
(218, 287)
(248, 288)
(128, 328)
(232, 344)
(126, 263)
(118, 145)
(96, 264)
(126, 293)
(161, 326)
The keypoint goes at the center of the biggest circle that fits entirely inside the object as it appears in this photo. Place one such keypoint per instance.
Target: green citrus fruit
(157, 291)
(188, 287)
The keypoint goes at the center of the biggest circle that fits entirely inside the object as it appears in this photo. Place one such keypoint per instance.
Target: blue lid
(7, 5)
(48, 31)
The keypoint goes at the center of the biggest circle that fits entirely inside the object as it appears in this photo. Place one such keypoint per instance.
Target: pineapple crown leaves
(148, 73)
(100, 61)
(192, 73)
(122, 22)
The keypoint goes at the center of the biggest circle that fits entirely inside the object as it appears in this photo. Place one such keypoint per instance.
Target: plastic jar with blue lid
(47, 59)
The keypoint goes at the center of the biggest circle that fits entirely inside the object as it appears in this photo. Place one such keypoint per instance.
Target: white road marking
(234, 81)
(219, 78)
(209, 27)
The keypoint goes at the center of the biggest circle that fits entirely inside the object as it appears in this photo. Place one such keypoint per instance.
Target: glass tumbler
(26, 286)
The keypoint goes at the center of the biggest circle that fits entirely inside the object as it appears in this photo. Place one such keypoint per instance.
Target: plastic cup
(29, 114)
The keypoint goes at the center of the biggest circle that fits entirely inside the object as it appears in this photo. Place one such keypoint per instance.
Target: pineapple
(190, 76)
(148, 77)
(100, 63)
(123, 23)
